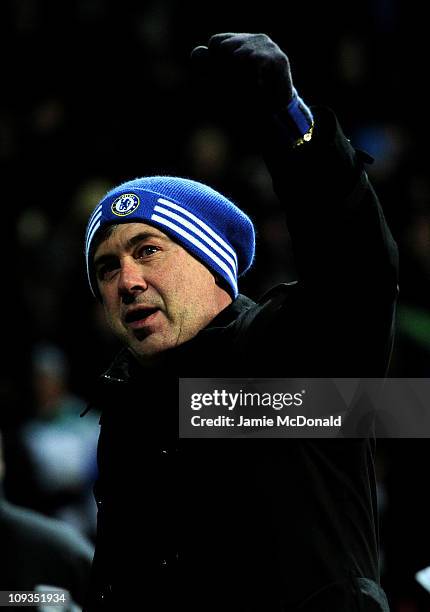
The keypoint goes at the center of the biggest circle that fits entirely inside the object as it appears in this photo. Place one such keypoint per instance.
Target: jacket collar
(125, 368)
(240, 305)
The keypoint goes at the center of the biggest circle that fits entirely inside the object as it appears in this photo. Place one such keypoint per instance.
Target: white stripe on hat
(91, 235)
(90, 229)
(96, 210)
(96, 227)
(93, 215)
(196, 230)
(201, 223)
(199, 245)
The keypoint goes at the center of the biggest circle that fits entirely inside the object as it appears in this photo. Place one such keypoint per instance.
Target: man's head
(164, 254)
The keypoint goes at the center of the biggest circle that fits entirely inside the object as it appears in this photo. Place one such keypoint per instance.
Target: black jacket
(252, 524)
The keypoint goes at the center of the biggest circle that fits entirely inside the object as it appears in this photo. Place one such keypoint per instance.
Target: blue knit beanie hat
(203, 221)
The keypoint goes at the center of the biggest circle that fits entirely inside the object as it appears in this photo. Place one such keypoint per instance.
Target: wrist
(297, 120)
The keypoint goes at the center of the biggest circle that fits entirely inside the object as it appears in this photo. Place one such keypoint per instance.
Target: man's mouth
(139, 317)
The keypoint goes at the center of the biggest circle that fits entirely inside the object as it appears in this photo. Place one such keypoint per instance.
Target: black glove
(250, 66)
(252, 73)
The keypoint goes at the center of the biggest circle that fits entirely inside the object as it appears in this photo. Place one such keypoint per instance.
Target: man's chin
(141, 334)
(147, 347)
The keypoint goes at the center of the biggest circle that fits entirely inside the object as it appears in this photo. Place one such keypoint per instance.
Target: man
(39, 552)
(239, 525)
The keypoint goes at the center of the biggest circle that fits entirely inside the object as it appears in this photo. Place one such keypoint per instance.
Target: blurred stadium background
(96, 92)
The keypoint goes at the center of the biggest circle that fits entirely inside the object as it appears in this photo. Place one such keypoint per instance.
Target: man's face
(155, 294)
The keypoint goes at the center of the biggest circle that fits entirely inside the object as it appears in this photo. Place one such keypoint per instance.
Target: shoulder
(273, 302)
(37, 530)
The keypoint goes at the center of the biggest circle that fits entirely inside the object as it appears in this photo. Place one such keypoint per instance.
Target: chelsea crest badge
(125, 204)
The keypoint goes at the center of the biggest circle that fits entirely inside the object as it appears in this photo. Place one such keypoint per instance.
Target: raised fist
(252, 65)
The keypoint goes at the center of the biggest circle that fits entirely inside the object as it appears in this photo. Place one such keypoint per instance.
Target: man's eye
(145, 251)
(106, 271)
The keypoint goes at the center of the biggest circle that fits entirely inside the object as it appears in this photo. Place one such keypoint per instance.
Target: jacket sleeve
(345, 256)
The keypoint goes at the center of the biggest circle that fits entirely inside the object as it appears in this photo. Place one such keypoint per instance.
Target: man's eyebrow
(101, 259)
(142, 236)
(129, 245)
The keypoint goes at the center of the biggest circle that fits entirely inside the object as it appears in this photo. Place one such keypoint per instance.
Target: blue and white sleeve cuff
(297, 121)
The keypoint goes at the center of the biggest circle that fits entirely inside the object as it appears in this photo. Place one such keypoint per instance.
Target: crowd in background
(97, 92)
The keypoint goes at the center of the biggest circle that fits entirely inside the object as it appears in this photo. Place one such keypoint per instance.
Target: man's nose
(131, 279)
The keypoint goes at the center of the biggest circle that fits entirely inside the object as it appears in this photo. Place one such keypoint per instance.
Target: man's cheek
(114, 321)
